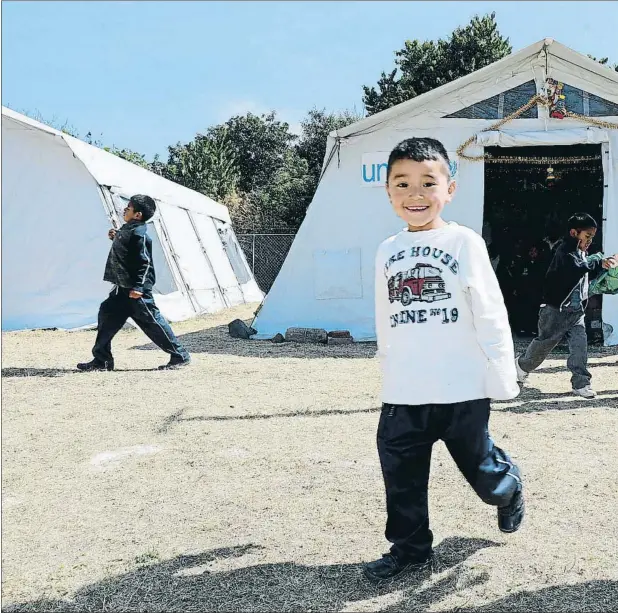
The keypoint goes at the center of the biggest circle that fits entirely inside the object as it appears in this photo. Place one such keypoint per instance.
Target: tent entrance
(530, 192)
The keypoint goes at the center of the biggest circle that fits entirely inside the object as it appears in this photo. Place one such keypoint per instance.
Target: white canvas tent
(59, 198)
(327, 279)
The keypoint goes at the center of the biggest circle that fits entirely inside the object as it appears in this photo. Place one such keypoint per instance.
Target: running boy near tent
(446, 348)
(130, 268)
(565, 296)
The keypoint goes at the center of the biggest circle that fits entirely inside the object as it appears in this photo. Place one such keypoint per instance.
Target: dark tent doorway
(530, 193)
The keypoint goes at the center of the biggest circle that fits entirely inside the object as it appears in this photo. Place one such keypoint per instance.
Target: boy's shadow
(190, 583)
(599, 595)
(10, 373)
(537, 401)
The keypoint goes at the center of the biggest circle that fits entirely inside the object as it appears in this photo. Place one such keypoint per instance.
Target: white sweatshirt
(442, 327)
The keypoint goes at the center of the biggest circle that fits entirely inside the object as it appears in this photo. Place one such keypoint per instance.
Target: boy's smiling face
(418, 192)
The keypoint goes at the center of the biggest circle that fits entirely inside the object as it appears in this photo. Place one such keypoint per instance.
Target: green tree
(424, 65)
(282, 203)
(207, 164)
(258, 144)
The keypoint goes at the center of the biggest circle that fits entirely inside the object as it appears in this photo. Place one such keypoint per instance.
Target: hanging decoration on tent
(557, 99)
(542, 161)
(542, 99)
(537, 170)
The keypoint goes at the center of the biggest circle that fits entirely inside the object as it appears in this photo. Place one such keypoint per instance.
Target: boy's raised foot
(511, 515)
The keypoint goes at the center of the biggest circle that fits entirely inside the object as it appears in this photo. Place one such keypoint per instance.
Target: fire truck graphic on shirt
(423, 283)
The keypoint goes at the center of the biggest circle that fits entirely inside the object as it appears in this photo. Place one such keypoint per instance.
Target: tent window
(502, 105)
(164, 279)
(583, 103)
(574, 99)
(599, 107)
(233, 252)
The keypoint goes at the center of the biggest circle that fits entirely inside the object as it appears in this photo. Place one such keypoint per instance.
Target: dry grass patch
(250, 482)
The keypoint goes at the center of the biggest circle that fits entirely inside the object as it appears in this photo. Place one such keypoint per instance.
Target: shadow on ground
(187, 583)
(178, 417)
(556, 369)
(190, 584)
(217, 341)
(598, 596)
(537, 401)
(35, 372)
(58, 372)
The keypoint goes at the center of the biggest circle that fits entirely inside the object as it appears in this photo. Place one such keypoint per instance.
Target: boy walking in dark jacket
(565, 296)
(130, 268)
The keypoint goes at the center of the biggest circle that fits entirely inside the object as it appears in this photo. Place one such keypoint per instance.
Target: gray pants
(554, 325)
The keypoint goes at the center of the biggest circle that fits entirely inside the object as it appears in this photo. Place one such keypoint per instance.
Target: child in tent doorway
(446, 349)
(565, 296)
(131, 269)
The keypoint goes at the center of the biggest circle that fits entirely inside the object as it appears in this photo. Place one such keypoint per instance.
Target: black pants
(113, 314)
(406, 435)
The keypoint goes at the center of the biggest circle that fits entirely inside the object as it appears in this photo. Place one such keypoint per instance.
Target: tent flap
(575, 136)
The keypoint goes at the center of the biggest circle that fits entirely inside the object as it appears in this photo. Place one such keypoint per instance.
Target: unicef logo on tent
(374, 166)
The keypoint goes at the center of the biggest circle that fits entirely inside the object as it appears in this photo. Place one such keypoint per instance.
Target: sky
(145, 75)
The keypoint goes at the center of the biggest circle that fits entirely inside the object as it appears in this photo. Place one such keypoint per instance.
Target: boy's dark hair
(144, 205)
(418, 150)
(581, 221)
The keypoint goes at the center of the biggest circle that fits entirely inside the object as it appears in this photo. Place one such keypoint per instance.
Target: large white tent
(59, 198)
(327, 279)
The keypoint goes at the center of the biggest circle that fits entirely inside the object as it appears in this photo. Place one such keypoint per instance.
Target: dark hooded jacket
(129, 264)
(565, 273)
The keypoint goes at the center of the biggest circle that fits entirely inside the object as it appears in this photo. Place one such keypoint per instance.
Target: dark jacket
(566, 271)
(129, 263)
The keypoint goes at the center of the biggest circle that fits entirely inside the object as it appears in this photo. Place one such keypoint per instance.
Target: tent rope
(536, 99)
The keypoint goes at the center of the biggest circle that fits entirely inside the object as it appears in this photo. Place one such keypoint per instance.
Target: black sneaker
(96, 365)
(175, 363)
(511, 515)
(388, 567)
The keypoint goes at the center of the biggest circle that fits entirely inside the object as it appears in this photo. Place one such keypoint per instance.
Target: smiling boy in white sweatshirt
(446, 349)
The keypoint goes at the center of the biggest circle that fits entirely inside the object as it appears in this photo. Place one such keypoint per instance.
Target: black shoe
(175, 363)
(96, 365)
(388, 567)
(511, 515)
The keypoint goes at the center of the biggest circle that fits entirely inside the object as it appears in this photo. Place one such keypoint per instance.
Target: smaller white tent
(327, 280)
(59, 198)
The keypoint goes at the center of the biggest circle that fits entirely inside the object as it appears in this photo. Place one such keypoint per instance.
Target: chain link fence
(265, 254)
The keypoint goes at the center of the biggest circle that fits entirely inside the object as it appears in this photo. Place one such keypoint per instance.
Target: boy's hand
(135, 295)
(111, 234)
(611, 262)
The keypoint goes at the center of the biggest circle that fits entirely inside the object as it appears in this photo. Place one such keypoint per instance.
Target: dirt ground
(250, 482)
